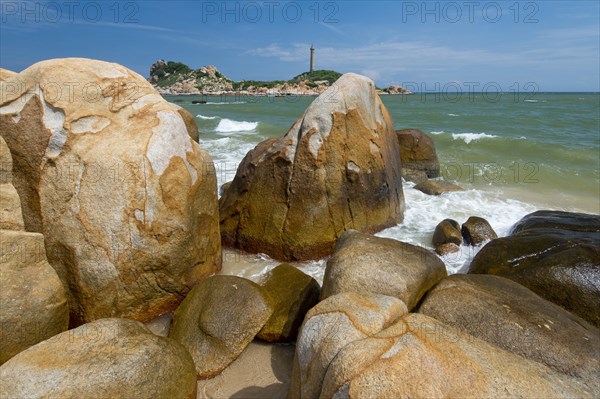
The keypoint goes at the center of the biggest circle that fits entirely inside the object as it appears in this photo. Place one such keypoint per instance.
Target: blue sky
(427, 45)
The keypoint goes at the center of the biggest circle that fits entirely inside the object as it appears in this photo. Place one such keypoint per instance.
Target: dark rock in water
(448, 248)
(512, 317)
(218, 319)
(292, 294)
(365, 263)
(556, 255)
(477, 230)
(447, 231)
(437, 187)
(198, 102)
(417, 153)
(108, 358)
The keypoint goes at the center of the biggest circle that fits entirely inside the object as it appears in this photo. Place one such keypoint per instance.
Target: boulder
(11, 217)
(477, 230)
(365, 263)
(510, 316)
(189, 120)
(108, 358)
(420, 357)
(330, 326)
(415, 176)
(32, 298)
(554, 254)
(447, 231)
(291, 294)
(446, 249)
(218, 319)
(106, 170)
(337, 168)
(224, 187)
(437, 187)
(417, 153)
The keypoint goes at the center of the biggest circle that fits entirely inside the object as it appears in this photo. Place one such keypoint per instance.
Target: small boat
(198, 102)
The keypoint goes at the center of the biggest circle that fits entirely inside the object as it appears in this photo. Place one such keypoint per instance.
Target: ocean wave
(453, 115)
(468, 137)
(206, 117)
(438, 132)
(228, 126)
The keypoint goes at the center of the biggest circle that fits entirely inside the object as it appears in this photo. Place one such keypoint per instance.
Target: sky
(423, 45)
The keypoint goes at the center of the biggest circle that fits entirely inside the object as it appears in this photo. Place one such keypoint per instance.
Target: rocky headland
(176, 78)
(111, 236)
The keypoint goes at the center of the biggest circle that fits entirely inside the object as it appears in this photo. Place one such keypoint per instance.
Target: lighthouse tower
(312, 58)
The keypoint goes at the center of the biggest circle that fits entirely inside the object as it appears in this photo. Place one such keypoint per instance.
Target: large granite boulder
(11, 217)
(417, 153)
(218, 319)
(32, 298)
(292, 294)
(554, 254)
(330, 326)
(420, 357)
(189, 120)
(365, 263)
(108, 358)
(106, 170)
(512, 317)
(337, 168)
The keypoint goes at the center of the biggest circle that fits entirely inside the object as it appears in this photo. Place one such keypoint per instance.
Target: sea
(513, 153)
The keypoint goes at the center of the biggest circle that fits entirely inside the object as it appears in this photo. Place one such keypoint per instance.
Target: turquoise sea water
(513, 152)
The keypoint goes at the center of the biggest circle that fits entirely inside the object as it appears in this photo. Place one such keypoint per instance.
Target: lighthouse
(312, 58)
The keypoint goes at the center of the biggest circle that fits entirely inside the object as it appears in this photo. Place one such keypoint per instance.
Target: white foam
(206, 117)
(453, 115)
(438, 132)
(469, 137)
(228, 126)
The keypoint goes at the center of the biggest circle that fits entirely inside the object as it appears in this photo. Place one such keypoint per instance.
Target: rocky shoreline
(111, 246)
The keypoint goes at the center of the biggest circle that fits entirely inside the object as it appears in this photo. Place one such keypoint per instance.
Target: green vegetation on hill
(165, 74)
(316, 76)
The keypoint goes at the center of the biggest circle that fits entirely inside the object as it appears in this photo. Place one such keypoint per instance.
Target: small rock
(477, 230)
(447, 248)
(437, 187)
(447, 231)
(291, 293)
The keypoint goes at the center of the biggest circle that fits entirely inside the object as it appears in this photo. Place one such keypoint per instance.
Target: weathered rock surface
(364, 263)
(447, 231)
(512, 317)
(337, 168)
(107, 172)
(32, 298)
(6, 74)
(330, 326)
(189, 120)
(218, 319)
(448, 248)
(11, 217)
(437, 187)
(109, 358)
(554, 254)
(420, 357)
(417, 153)
(476, 230)
(291, 294)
